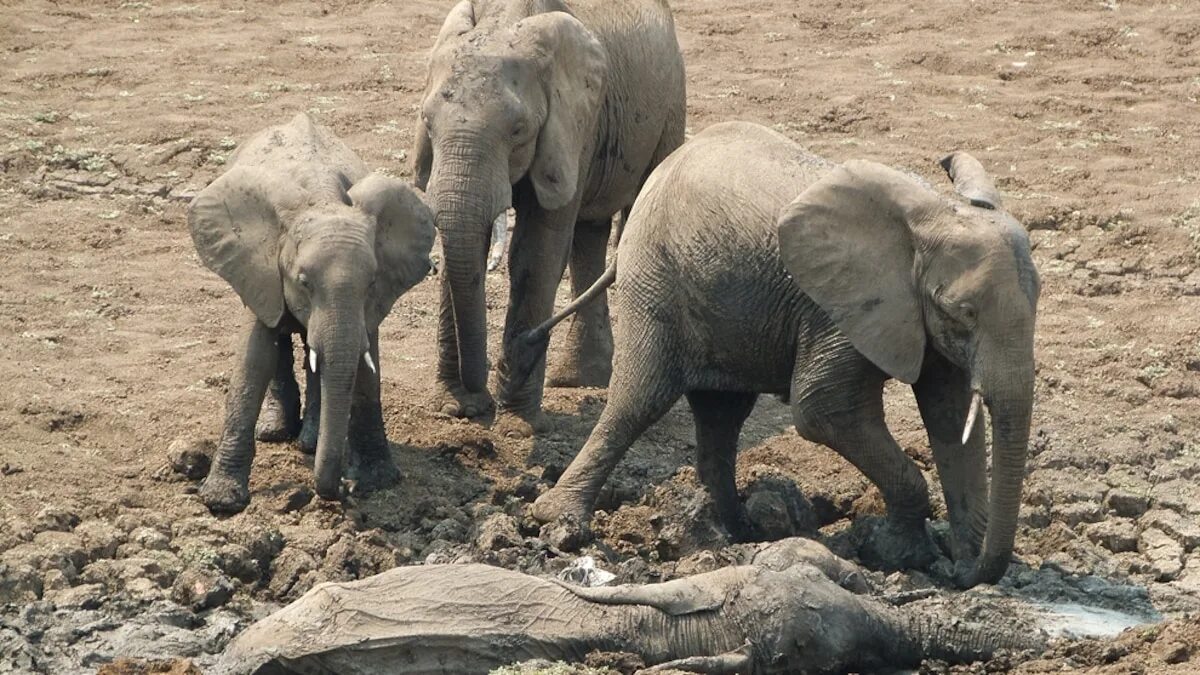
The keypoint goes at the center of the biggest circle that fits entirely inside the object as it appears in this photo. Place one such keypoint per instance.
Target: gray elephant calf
(751, 266)
(784, 612)
(316, 245)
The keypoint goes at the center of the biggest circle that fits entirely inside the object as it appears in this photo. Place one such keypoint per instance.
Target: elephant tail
(531, 345)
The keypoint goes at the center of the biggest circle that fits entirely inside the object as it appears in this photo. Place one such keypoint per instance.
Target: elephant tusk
(972, 413)
(370, 362)
(312, 360)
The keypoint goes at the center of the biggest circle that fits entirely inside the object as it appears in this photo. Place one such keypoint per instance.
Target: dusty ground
(116, 342)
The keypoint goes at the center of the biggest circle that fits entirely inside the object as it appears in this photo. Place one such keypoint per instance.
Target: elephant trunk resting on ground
(751, 266)
(782, 613)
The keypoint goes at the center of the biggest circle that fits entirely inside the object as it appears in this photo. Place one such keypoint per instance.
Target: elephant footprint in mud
(315, 245)
(731, 285)
(559, 110)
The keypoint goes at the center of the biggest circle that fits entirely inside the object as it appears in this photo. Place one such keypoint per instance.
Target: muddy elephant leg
(310, 426)
(719, 416)
(837, 400)
(279, 419)
(536, 259)
(450, 397)
(227, 487)
(589, 346)
(642, 391)
(371, 464)
(943, 395)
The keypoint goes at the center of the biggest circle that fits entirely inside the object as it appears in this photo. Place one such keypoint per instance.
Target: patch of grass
(546, 668)
(46, 117)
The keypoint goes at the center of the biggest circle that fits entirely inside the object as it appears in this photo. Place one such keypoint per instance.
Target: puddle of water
(1076, 620)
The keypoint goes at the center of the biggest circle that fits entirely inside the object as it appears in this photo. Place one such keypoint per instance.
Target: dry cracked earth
(115, 344)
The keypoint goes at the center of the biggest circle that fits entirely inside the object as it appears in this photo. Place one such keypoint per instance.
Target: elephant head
(506, 100)
(900, 269)
(335, 265)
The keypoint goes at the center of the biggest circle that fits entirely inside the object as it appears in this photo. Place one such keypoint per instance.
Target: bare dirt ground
(115, 342)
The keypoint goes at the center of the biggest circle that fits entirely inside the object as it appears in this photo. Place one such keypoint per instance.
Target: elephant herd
(745, 266)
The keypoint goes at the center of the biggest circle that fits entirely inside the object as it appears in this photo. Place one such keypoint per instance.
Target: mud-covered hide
(423, 619)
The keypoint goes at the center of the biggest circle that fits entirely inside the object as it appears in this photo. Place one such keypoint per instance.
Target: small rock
(116, 574)
(83, 596)
(1164, 553)
(448, 529)
(1182, 529)
(1126, 504)
(237, 561)
(1117, 535)
(1075, 513)
(287, 569)
(1172, 652)
(201, 588)
(99, 539)
(292, 499)
(19, 584)
(498, 531)
(190, 458)
(55, 518)
(149, 539)
(56, 580)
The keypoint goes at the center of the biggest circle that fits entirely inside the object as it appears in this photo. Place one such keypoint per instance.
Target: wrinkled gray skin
(314, 245)
(731, 285)
(560, 110)
(785, 612)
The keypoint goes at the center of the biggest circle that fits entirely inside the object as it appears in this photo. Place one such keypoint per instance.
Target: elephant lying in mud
(784, 612)
(750, 266)
(316, 245)
(559, 109)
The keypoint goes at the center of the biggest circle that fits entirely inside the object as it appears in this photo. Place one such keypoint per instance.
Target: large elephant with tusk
(314, 244)
(751, 266)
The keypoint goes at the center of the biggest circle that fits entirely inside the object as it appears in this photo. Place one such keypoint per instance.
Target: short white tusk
(312, 360)
(972, 413)
(370, 362)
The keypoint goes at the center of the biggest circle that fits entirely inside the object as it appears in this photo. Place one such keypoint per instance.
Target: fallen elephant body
(784, 613)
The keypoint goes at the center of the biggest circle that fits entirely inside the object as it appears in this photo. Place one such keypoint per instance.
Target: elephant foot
(583, 368)
(892, 545)
(566, 533)
(224, 494)
(514, 424)
(452, 399)
(278, 422)
(371, 475)
(307, 440)
(557, 503)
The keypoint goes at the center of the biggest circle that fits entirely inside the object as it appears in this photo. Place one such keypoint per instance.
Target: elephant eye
(302, 278)
(967, 313)
(518, 131)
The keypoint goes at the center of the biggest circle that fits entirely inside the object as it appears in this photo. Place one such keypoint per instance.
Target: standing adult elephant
(560, 111)
(732, 285)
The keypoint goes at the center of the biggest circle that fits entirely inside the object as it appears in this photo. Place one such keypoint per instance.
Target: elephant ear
(403, 235)
(236, 229)
(971, 180)
(848, 241)
(574, 68)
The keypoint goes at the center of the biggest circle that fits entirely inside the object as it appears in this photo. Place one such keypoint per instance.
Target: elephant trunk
(1008, 393)
(915, 636)
(336, 350)
(467, 195)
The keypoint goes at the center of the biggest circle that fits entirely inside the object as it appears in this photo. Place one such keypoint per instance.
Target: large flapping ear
(403, 235)
(235, 228)
(971, 180)
(848, 242)
(574, 70)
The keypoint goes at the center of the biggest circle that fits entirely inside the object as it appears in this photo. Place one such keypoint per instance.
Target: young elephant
(731, 286)
(315, 245)
(784, 612)
(559, 109)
